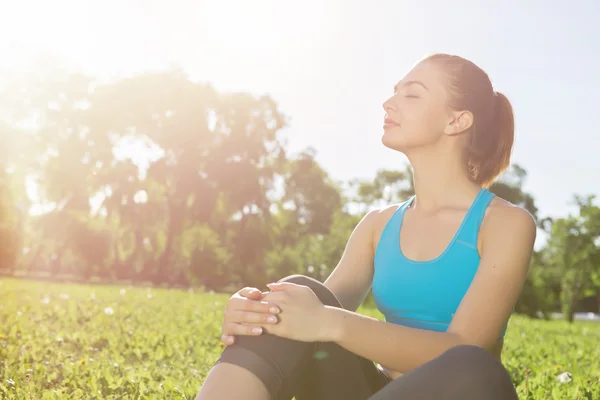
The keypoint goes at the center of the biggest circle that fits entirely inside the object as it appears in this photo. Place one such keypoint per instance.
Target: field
(61, 341)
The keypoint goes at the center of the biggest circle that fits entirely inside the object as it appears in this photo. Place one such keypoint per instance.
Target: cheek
(422, 120)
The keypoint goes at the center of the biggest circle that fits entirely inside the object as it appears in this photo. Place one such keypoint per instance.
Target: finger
(228, 340)
(275, 297)
(247, 317)
(230, 329)
(283, 286)
(251, 293)
(254, 306)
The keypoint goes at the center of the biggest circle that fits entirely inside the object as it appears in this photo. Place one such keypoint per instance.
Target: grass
(62, 341)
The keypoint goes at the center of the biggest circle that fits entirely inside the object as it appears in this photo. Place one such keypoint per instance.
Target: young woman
(446, 268)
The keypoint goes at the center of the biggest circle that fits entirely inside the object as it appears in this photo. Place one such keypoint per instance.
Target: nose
(389, 106)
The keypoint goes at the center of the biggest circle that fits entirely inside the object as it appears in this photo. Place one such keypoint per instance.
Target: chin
(401, 142)
(391, 142)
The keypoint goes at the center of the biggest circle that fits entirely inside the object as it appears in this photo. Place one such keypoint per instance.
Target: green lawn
(60, 341)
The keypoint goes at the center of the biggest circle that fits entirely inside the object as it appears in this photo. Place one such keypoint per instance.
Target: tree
(574, 254)
(311, 194)
(11, 234)
(388, 187)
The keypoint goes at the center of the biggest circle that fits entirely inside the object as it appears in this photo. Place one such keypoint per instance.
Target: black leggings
(319, 371)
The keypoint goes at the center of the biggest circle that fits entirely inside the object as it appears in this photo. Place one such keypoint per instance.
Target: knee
(469, 354)
(323, 293)
(474, 360)
(480, 371)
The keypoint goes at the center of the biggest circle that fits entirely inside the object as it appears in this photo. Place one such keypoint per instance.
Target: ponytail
(494, 157)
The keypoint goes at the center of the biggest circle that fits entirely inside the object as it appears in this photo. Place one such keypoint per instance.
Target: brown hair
(492, 133)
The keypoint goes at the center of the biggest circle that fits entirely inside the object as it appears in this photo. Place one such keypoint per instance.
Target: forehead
(428, 74)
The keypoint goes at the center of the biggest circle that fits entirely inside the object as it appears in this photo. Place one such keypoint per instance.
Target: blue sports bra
(426, 294)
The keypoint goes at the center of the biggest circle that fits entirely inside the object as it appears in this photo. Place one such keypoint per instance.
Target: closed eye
(411, 96)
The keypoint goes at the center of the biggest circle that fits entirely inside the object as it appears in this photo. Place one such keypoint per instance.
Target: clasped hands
(289, 310)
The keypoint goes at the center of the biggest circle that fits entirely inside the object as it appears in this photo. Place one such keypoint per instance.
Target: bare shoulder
(379, 216)
(505, 220)
(385, 213)
(379, 219)
(503, 213)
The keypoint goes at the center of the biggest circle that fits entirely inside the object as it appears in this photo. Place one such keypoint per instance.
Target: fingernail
(274, 310)
(271, 318)
(256, 330)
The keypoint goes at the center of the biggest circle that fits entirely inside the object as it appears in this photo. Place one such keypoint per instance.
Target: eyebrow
(408, 83)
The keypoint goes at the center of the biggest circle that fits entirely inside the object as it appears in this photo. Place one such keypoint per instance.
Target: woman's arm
(507, 244)
(351, 279)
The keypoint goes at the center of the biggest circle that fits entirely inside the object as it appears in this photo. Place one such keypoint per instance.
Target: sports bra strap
(470, 229)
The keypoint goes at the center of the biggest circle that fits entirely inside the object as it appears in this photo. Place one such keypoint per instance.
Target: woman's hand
(303, 317)
(246, 313)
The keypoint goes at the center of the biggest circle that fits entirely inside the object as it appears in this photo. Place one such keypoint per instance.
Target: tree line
(157, 178)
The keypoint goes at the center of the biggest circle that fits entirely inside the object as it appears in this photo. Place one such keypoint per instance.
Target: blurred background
(219, 144)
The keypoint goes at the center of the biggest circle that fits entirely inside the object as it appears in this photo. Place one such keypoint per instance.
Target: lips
(389, 123)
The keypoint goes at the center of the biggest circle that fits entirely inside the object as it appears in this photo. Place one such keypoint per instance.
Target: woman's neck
(441, 179)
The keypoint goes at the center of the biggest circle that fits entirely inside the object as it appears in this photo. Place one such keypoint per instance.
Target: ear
(460, 122)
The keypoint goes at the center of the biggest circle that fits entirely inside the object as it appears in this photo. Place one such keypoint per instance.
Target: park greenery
(109, 342)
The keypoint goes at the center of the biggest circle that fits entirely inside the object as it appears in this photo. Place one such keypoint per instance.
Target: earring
(473, 170)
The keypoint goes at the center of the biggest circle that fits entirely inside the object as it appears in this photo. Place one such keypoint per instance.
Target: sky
(329, 65)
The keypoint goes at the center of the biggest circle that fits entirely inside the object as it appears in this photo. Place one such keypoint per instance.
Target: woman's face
(417, 114)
